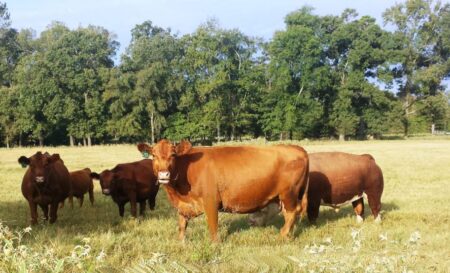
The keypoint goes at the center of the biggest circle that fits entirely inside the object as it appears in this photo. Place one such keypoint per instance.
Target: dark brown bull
(82, 183)
(231, 179)
(130, 182)
(46, 183)
(336, 179)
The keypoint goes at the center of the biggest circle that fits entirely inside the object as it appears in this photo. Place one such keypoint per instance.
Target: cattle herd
(197, 180)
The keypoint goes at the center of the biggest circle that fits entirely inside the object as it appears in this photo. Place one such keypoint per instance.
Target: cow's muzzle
(163, 177)
(39, 179)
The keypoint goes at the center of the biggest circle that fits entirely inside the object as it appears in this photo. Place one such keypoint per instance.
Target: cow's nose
(39, 179)
(163, 177)
(105, 191)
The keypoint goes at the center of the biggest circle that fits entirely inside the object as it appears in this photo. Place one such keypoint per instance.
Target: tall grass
(413, 237)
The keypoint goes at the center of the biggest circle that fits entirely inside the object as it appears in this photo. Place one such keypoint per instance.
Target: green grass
(414, 235)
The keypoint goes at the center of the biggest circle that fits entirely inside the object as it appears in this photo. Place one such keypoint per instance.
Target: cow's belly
(248, 195)
(339, 201)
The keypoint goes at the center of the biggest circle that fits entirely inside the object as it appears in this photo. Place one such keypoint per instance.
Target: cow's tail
(302, 206)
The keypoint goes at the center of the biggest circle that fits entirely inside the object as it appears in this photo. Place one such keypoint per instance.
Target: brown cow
(336, 179)
(82, 183)
(231, 179)
(130, 182)
(46, 183)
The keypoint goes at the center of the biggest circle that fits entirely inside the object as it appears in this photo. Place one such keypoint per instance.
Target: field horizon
(413, 237)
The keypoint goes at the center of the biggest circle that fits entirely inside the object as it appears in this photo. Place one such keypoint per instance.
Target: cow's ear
(145, 149)
(95, 176)
(183, 147)
(53, 158)
(24, 161)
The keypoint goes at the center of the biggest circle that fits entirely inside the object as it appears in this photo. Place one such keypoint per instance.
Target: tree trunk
(341, 137)
(233, 131)
(432, 128)
(20, 140)
(218, 132)
(7, 141)
(281, 136)
(152, 126)
(72, 141)
(41, 141)
(84, 141)
(89, 140)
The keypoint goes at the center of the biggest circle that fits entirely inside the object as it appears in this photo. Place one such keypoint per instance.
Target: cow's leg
(81, 200)
(91, 194)
(142, 208)
(133, 204)
(290, 203)
(45, 211)
(358, 207)
(375, 205)
(151, 201)
(61, 204)
(53, 212)
(33, 212)
(212, 217)
(121, 209)
(313, 209)
(182, 225)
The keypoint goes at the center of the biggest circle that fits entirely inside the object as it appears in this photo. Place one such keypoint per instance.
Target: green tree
(420, 60)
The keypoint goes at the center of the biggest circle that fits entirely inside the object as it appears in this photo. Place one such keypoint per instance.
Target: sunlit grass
(414, 235)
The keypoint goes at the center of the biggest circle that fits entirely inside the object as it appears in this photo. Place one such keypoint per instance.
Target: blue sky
(254, 17)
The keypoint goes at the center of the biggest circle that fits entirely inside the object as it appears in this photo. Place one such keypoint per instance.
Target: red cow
(130, 182)
(46, 183)
(82, 183)
(231, 179)
(336, 179)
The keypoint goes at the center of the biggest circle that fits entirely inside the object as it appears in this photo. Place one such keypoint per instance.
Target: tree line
(322, 76)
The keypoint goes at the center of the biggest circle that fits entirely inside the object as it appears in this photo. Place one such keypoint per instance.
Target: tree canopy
(340, 76)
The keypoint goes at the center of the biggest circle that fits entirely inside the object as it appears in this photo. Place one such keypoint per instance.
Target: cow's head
(105, 178)
(164, 154)
(39, 164)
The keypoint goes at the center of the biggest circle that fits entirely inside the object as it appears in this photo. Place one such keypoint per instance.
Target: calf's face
(39, 165)
(105, 178)
(164, 154)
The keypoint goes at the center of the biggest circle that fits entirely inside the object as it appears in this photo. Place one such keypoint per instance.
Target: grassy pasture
(414, 235)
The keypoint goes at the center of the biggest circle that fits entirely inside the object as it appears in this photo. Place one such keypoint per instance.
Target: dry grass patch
(413, 237)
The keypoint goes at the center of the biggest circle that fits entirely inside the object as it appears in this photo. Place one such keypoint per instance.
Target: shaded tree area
(340, 76)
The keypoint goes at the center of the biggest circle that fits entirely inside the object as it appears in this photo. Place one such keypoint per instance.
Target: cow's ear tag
(23, 165)
(145, 154)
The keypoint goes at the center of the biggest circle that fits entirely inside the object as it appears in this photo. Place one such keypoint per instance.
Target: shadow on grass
(101, 216)
(325, 216)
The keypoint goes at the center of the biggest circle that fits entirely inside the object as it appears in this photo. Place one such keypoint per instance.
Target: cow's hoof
(378, 219)
(359, 219)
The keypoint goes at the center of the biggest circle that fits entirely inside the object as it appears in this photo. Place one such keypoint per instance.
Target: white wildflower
(100, 256)
(355, 233)
(383, 237)
(27, 229)
(328, 240)
(415, 237)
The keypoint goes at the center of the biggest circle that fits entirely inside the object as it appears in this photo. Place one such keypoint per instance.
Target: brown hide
(334, 179)
(82, 183)
(130, 182)
(54, 188)
(230, 179)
